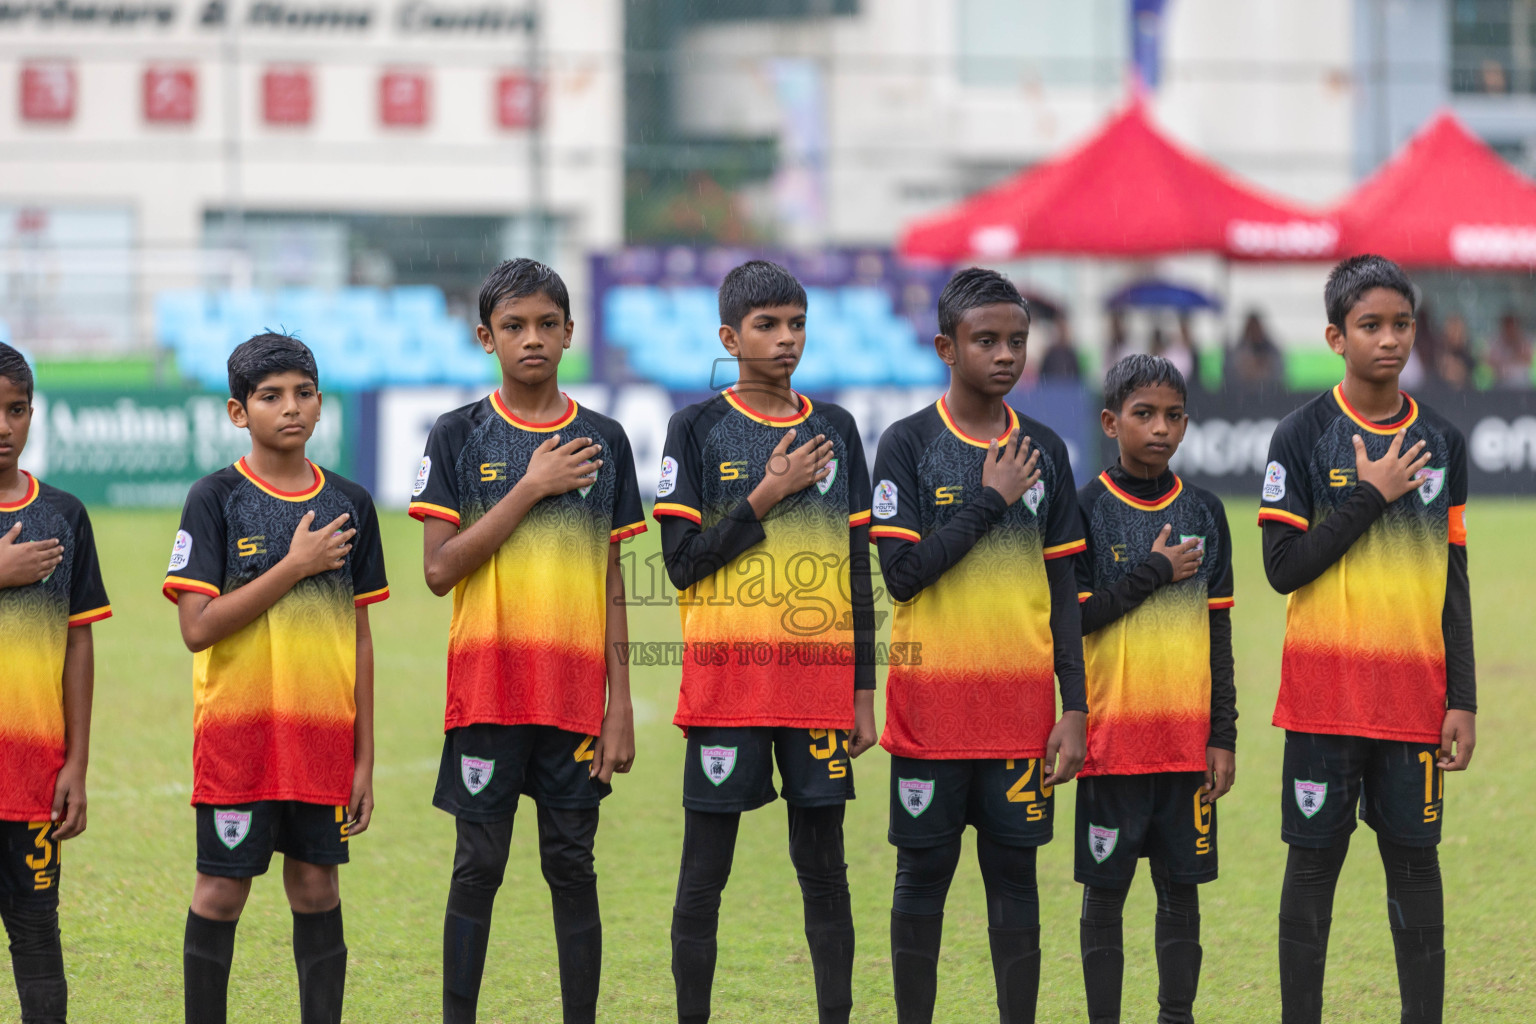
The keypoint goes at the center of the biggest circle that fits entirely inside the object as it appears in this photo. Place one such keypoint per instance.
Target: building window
(1010, 43)
(1493, 46)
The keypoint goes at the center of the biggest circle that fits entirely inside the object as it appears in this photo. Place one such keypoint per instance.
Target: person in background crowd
(1059, 363)
(1255, 360)
(1457, 365)
(1179, 349)
(1510, 354)
(1119, 340)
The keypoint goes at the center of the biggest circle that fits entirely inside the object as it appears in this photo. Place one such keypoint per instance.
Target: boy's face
(527, 336)
(1377, 336)
(767, 344)
(987, 351)
(15, 422)
(1149, 427)
(281, 413)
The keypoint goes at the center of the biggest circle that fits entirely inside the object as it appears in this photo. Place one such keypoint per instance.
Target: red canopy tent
(1445, 199)
(1127, 192)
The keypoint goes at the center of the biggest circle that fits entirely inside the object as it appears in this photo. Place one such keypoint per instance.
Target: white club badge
(476, 773)
(915, 795)
(232, 827)
(825, 483)
(718, 763)
(1310, 796)
(1034, 496)
(1101, 841)
(1432, 482)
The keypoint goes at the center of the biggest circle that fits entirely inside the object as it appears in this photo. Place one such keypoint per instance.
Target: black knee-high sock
(320, 952)
(1178, 947)
(816, 850)
(1102, 936)
(1306, 915)
(479, 862)
(923, 876)
(709, 844)
(566, 839)
(1013, 918)
(207, 951)
(37, 958)
(1416, 912)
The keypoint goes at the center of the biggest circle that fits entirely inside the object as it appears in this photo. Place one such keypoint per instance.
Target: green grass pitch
(126, 882)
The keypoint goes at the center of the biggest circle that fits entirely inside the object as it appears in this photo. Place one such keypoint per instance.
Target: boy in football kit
(272, 572)
(1156, 592)
(1363, 516)
(764, 507)
(50, 593)
(523, 497)
(975, 514)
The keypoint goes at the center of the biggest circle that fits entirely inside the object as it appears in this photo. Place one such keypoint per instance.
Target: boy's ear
(484, 337)
(730, 339)
(944, 345)
(237, 416)
(1111, 424)
(570, 328)
(1334, 335)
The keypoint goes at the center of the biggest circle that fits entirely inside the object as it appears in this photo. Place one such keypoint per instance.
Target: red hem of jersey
(704, 722)
(1397, 735)
(999, 753)
(563, 724)
(27, 817)
(1143, 769)
(200, 797)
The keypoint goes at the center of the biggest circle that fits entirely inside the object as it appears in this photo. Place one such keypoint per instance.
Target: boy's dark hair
(1137, 371)
(754, 285)
(515, 279)
(970, 288)
(1352, 278)
(14, 368)
(255, 360)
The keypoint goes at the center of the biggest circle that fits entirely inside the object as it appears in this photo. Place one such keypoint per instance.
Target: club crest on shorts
(1101, 841)
(825, 483)
(476, 772)
(1310, 796)
(1433, 483)
(915, 795)
(232, 827)
(717, 762)
(1034, 496)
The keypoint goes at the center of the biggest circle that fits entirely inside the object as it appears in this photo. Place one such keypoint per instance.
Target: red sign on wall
(48, 91)
(404, 98)
(287, 95)
(170, 95)
(519, 100)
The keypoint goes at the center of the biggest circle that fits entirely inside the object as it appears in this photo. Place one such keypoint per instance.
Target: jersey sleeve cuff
(894, 533)
(667, 508)
(1217, 603)
(858, 519)
(420, 510)
(175, 584)
(1280, 515)
(623, 532)
(1458, 535)
(1083, 595)
(1063, 550)
(93, 615)
(372, 597)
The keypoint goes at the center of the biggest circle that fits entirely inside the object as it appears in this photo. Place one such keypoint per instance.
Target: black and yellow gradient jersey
(1378, 622)
(273, 703)
(1158, 654)
(974, 599)
(776, 614)
(526, 645)
(34, 625)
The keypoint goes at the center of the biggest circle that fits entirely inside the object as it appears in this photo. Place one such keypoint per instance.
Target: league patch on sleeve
(1274, 482)
(668, 482)
(884, 506)
(181, 551)
(422, 474)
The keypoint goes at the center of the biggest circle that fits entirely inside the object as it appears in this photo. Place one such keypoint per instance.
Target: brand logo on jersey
(1118, 550)
(476, 773)
(1434, 483)
(732, 470)
(1034, 496)
(232, 827)
(884, 506)
(668, 482)
(915, 795)
(422, 472)
(947, 495)
(1274, 482)
(1101, 841)
(718, 763)
(245, 547)
(1310, 796)
(825, 483)
(181, 551)
(1185, 538)
(492, 471)
(1341, 478)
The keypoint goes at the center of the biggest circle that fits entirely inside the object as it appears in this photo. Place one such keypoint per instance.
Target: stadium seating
(362, 337)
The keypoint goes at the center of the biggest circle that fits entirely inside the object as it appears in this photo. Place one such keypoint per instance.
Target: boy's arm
(79, 689)
(360, 806)
(1064, 543)
(615, 750)
(861, 595)
(909, 566)
(1458, 733)
(1100, 608)
(449, 555)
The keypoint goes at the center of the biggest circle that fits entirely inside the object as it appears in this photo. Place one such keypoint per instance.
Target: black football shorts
(730, 768)
(238, 840)
(1121, 818)
(1395, 785)
(933, 800)
(485, 768)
